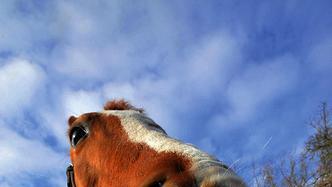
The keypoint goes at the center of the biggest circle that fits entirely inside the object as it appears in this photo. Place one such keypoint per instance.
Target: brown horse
(122, 147)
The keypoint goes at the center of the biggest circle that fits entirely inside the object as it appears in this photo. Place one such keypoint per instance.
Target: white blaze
(141, 129)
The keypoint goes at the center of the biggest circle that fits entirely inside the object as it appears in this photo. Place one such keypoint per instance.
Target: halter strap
(70, 176)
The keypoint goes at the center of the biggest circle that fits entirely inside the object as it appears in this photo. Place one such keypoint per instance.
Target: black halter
(70, 176)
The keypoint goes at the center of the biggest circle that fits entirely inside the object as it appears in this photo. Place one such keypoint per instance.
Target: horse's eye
(77, 134)
(158, 183)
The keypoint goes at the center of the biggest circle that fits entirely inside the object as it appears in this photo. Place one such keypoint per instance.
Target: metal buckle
(70, 176)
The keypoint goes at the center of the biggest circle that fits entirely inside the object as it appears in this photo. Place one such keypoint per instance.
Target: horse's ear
(71, 120)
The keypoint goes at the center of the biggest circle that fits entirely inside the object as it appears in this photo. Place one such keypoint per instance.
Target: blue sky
(239, 79)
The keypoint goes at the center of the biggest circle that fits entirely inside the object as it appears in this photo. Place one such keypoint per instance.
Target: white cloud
(20, 82)
(55, 121)
(79, 102)
(90, 53)
(81, 63)
(21, 157)
(320, 56)
(212, 62)
(120, 90)
(89, 63)
(123, 50)
(74, 21)
(259, 85)
(23, 26)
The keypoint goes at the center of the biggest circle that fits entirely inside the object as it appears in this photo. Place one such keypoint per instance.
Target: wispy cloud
(320, 57)
(25, 159)
(260, 84)
(20, 82)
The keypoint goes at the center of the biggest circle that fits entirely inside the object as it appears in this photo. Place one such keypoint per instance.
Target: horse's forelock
(121, 105)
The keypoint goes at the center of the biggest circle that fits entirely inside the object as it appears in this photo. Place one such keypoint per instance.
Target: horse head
(122, 147)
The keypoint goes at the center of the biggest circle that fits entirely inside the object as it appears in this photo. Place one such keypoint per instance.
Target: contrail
(267, 143)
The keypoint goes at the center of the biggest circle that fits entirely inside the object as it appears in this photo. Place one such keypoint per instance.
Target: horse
(122, 147)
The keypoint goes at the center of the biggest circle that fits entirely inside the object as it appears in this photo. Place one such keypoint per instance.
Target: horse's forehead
(133, 121)
(142, 129)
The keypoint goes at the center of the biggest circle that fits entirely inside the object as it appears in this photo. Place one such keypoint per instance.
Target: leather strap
(70, 176)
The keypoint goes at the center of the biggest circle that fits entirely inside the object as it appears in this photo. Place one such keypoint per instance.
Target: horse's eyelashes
(77, 134)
